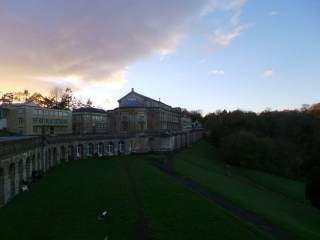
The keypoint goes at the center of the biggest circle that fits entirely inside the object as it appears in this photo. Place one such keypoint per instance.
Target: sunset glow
(222, 54)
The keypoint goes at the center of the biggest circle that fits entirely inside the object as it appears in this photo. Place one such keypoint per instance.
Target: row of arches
(57, 154)
(18, 171)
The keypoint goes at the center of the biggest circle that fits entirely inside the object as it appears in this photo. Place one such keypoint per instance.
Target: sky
(197, 54)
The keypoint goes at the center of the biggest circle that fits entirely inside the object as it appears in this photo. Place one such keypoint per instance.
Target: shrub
(313, 187)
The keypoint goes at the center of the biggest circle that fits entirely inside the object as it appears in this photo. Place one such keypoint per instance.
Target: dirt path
(245, 215)
(140, 228)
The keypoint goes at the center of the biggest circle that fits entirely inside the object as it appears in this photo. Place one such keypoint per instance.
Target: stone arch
(28, 168)
(39, 161)
(110, 148)
(33, 161)
(55, 156)
(121, 146)
(62, 153)
(20, 170)
(71, 153)
(80, 151)
(49, 159)
(100, 149)
(45, 160)
(12, 179)
(90, 150)
(2, 196)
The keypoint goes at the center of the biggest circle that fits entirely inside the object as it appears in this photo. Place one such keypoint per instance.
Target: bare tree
(56, 95)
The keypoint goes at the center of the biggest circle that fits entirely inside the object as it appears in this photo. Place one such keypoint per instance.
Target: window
(20, 121)
(110, 147)
(125, 125)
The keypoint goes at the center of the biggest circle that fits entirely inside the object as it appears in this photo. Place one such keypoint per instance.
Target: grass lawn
(66, 202)
(277, 199)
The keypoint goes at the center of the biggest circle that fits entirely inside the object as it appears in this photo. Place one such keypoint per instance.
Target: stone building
(3, 118)
(186, 123)
(31, 119)
(140, 114)
(89, 120)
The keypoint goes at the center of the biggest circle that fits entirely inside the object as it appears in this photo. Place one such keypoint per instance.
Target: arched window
(110, 148)
(12, 177)
(1, 186)
(121, 147)
(28, 168)
(20, 170)
(100, 149)
(71, 152)
(90, 150)
(62, 154)
(80, 151)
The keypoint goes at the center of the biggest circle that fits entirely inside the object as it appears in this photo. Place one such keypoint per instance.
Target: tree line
(58, 98)
(282, 142)
(285, 143)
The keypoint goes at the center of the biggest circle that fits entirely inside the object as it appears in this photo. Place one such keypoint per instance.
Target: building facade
(30, 119)
(89, 120)
(140, 114)
(3, 118)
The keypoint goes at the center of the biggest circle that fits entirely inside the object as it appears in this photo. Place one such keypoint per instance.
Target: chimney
(132, 89)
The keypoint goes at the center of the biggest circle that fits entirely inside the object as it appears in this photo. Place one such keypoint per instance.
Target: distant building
(31, 119)
(136, 114)
(140, 114)
(196, 125)
(186, 124)
(89, 120)
(3, 118)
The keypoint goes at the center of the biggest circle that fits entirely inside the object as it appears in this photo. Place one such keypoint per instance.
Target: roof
(19, 105)
(90, 110)
(143, 96)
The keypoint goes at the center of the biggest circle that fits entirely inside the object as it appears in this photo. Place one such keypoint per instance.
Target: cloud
(81, 43)
(222, 36)
(222, 5)
(268, 73)
(217, 72)
(52, 41)
(234, 20)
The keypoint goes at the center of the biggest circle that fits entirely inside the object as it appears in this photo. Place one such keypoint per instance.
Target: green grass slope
(277, 199)
(66, 202)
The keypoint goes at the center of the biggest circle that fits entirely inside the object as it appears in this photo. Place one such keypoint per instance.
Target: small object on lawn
(24, 188)
(103, 215)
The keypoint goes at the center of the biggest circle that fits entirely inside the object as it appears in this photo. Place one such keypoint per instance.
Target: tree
(89, 103)
(67, 101)
(195, 115)
(7, 98)
(56, 95)
(313, 187)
